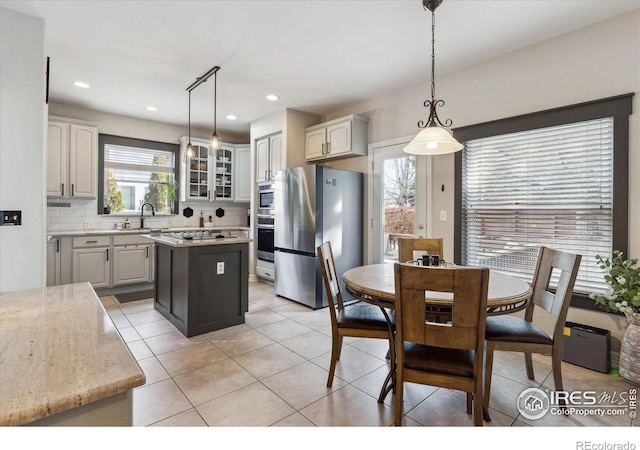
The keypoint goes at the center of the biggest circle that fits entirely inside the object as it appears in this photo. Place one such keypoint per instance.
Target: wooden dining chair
(448, 355)
(356, 319)
(516, 334)
(406, 247)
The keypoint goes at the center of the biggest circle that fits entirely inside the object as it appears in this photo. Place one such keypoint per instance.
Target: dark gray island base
(202, 287)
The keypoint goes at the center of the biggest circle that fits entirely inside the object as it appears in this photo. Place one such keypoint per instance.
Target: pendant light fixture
(433, 140)
(215, 140)
(189, 153)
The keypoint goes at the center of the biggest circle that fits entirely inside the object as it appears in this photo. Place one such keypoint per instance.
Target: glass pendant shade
(190, 153)
(433, 140)
(215, 141)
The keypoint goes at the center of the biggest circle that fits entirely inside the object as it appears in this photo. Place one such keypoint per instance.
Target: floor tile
(137, 306)
(169, 342)
(140, 350)
(240, 408)
(294, 420)
(284, 329)
(153, 370)
(158, 401)
(190, 358)
(144, 317)
(129, 334)
(155, 328)
(309, 345)
(268, 360)
(302, 385)
(212, 381)
(353, 363)
(348, 407)
(188, 418)
(262, 317)
(237, 340)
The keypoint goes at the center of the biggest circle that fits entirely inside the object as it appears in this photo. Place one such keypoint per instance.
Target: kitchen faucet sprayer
(153, 212)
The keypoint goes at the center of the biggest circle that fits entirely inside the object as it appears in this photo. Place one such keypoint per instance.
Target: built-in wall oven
(265, 226)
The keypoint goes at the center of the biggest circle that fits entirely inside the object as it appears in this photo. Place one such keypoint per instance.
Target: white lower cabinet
(92, 264)
(53, 262)
(131, 264)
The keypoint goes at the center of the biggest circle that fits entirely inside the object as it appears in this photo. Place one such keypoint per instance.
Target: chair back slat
(469, 287)
(330, 277)
(406, 247)
(554, 301)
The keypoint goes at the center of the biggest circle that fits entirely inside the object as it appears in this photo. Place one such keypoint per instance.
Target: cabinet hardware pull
(62, 188)
(328, 148)
(57, 245)
(266, 174)
(147, 252)
(72, 186)
(323, 148)
(92, 242)
(107, 254)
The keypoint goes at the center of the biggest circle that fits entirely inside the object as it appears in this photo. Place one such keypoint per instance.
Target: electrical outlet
(443, 216)
(221, 268)
(88, 224)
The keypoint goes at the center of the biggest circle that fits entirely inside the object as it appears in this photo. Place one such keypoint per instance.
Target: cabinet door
(92, 265)
(57, 159)
(262, 160)
(339, 138)
(53, 262)
(83, 161)
(315, 143)
(131, 264)
(275, 156)
(242, 177)
(223, 175)
(198, 174)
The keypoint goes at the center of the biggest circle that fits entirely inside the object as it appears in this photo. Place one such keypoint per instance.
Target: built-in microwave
(265, 198)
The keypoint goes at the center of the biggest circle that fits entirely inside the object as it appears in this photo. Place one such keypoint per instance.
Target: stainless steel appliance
(265, 222)
(314, 204)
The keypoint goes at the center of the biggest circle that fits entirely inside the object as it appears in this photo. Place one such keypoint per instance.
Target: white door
(400, 190)
(275, 156)
(339, 138)
(92, 265)
(262, 160)
(83, 155)
(57, 163)
(315, 142)
(131, 264)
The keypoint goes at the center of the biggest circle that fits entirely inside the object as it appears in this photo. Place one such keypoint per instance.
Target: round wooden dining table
(375, 283)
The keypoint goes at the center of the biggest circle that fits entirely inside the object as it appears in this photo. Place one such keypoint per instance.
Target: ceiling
(316, 55)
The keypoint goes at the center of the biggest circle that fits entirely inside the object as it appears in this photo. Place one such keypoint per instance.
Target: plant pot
(630, 352)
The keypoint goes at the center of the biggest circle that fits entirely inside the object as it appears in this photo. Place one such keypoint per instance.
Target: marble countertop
(196, 242)
(59, 350)
(140, 231)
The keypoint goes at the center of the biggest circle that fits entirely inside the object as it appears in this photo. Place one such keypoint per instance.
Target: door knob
(420, 227)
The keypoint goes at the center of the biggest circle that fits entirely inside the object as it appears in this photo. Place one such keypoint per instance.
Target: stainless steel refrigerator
(315, 204)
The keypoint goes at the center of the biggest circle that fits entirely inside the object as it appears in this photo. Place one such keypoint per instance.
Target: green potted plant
(623, 296)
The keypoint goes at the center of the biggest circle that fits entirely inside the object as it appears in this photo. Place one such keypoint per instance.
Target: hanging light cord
(189, 117)
(215, 102)
(431, 104)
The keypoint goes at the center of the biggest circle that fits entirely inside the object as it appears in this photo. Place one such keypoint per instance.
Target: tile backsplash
(81, 215)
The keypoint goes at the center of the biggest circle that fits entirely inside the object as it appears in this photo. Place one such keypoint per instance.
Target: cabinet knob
(328, 148)
(62, 188)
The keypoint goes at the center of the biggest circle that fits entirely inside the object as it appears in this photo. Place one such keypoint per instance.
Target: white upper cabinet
(72, 159)
(214, 177)
(242, 179)
(346, 136)
(268, 157)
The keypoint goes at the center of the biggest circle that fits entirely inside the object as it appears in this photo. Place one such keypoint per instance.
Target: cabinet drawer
(131, 240)
(91, 241)
(265, 273)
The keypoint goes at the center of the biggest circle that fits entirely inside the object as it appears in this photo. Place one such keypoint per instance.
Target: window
(556, 178)
(134, 171)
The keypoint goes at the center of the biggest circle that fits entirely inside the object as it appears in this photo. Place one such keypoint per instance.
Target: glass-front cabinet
(207, 176)
(224, 173)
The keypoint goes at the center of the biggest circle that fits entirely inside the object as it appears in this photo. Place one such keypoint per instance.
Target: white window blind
(134, 175)
(551, 186)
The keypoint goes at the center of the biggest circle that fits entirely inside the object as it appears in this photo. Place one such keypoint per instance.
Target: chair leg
(556, 367)
(336, 345)
(478, 406)
(469, 402)
(487, 380)
(528, 363)
(399, 394)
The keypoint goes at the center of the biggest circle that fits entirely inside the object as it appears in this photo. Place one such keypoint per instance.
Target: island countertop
(172, 242)
(59, 350)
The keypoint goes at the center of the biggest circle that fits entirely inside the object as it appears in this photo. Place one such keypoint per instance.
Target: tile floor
(272, 372)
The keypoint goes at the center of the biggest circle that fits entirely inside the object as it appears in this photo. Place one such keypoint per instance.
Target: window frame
(108, 139)
(618, 107)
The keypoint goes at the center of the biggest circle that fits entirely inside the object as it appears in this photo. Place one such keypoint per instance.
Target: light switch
(220, 268)
(443, 216)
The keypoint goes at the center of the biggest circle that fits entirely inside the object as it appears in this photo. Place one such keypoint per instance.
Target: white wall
(589, 64)
(22, 155)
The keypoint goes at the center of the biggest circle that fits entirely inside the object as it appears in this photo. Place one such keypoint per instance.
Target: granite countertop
(59, 350)
(114, 232)
(196, 242)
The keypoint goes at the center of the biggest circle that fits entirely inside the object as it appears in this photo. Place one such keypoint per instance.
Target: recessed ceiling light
(272, 97)
(151, 108)
(81, 84)
(231, 117)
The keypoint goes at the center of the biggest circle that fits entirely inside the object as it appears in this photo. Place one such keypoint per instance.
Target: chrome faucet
(153, 212)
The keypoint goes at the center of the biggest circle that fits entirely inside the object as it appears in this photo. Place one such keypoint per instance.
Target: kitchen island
(201, 285)
(62, 360)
